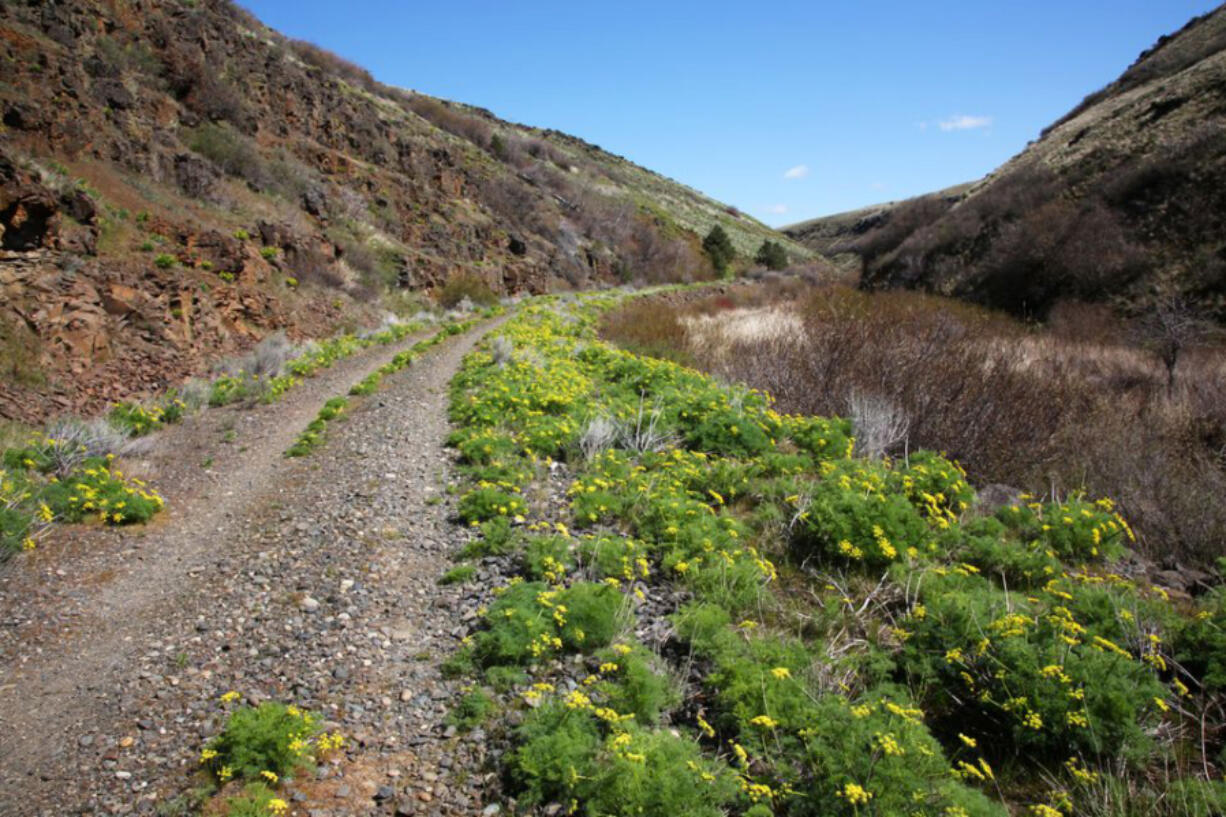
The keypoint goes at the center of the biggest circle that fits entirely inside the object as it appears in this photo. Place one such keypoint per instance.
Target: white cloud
(964, 122)
(798, 172)
(878, 185)
(777, 209)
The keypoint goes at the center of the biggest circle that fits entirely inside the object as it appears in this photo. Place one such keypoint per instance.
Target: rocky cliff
(177, 180)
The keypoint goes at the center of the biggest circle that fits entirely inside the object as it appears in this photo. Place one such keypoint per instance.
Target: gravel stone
(308, 580)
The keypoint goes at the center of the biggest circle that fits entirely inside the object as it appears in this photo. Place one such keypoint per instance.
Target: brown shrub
(454, 121)
(879, 238)
(648, 326)
(333, 64)
(232, 152)
(1049, 411)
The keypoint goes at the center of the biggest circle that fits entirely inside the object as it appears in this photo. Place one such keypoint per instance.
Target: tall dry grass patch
(1073, 406)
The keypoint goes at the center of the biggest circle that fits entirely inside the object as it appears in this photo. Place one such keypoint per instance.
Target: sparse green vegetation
(312, 436)
(460, 574)
(474, 709)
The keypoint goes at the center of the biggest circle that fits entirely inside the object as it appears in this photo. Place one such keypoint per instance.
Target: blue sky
(787, 110)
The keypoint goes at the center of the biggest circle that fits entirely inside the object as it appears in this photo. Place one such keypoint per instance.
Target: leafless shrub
(640, 435)
(77, 440)
(195, 393)
(451, 119)
(502, 350)
(599, 436)
(348, 204)
(333, 64)
(878, 424)
(266, 360)
(140, 447)
(270, 355)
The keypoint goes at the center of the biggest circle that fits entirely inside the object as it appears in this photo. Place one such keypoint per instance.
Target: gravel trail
(309, 580)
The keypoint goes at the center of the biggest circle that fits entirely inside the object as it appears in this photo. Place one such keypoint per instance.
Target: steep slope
(177, 180)
(1123, 196)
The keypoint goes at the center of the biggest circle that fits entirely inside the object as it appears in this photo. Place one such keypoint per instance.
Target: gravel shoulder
(309, 580)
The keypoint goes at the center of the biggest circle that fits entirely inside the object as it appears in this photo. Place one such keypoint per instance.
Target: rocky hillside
(845, 238)
(177, 180)
(1123, 196)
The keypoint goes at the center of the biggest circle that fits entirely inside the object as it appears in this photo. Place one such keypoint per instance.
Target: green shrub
(505, 679)
(718, 247)
(333, 408)
(729, 433)
(635, 681)
(562, 757)
(824, 753)
(935, 485)
(256, 800)
(593, 615)
(1056, 674)
(232, 152)
(734, 583)
(1074, 530)
(268, 253)
(854, 516)
(1199, 642)
(229, 389)
(531, 621)
(460, 574)
(313, 435)
(165, 261)
(485, 503)
(771, 255)
(137, 420)
(614, 557)
(270, 737)
(496, 540)
(986, 543)
(466, 285)
(473, 710)
(486, 448)
(556, 747)
(547, 558)
(96, 490)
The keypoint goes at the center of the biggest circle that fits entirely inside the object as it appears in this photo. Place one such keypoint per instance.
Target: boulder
(197, 177)
(29, 212)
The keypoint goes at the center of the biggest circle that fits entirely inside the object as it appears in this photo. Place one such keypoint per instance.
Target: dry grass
(1059, 409)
